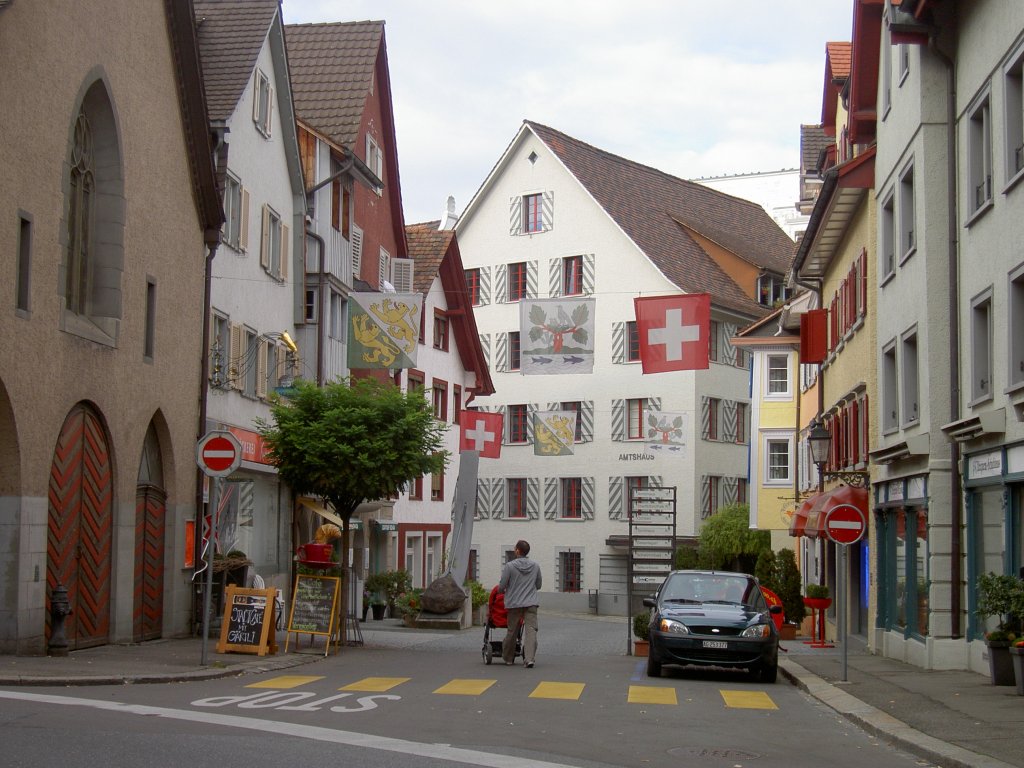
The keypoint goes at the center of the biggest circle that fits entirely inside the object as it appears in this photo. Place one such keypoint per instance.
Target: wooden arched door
(78, 548)
(150, 514)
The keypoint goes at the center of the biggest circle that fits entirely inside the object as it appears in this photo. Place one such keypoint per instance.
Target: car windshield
(722, 589)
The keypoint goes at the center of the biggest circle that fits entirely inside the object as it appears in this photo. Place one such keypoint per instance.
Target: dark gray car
(713, 618)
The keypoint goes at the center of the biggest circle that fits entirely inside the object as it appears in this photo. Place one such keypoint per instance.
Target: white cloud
(691, 88)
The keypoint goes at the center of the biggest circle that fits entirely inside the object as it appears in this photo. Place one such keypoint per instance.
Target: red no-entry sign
(218, 453)
(845, 524)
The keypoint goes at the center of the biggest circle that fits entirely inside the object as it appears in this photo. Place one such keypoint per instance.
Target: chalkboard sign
(248, 624)
(314, 607)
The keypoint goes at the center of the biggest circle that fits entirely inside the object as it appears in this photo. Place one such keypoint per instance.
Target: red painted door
(79, 528)
(148, 613)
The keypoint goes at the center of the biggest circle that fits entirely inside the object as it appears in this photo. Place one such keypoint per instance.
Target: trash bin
(592, 599)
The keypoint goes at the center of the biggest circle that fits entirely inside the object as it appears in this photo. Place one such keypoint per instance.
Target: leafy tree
(766, 570)
(728, 542)
(352, 441)
(790, 586)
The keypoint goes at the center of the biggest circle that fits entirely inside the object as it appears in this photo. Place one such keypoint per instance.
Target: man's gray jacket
(520, 580)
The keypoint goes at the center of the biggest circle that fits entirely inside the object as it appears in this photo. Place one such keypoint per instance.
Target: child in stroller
(497, 618)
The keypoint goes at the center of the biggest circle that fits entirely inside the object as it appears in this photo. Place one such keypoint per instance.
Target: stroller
(497, 618)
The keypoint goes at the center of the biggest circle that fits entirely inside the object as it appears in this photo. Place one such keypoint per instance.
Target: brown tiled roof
(332, 70)
(427, 245)
(231, 34)
(838, 54)
(655, 210)
(812, 141)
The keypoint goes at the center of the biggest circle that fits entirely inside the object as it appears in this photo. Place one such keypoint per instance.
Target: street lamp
(820, 441)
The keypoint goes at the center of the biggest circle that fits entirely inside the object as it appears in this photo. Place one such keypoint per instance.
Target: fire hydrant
(60, 608)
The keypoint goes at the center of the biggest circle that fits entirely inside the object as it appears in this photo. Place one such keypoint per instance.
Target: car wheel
(653, 667)
(769, 674)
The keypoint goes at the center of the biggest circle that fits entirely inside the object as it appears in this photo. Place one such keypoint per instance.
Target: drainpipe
(321, 298)
(211, 239)
(953, 283)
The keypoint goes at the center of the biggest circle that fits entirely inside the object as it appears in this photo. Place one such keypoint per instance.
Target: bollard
(60, 608)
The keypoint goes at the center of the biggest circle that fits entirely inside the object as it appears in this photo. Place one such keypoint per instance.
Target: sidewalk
(954, 719)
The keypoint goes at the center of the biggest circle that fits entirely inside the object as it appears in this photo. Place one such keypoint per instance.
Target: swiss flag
(481, 432)
(673, 331)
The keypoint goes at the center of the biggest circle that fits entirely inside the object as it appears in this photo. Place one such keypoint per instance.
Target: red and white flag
(673, 332)
(481, 432)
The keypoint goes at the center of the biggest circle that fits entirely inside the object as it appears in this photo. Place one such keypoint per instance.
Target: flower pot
(818, 603)
(1017, 657)
(378, 611)
(1000, 662)
(641, 647)
(787, 632)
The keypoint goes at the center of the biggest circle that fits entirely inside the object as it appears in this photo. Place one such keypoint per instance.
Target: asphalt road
(415, 698)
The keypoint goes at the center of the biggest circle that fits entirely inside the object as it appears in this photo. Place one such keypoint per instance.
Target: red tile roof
(332, 69)
(427, 245)
(656, 210)
(231, 34)
(838, 55)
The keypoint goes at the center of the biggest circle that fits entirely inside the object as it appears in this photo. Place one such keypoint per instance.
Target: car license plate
(715, 644)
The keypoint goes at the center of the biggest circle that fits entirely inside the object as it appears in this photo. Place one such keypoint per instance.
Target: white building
(557, 217)
(257, 274)
(778, 192)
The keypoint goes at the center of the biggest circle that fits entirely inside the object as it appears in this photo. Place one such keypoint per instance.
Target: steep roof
(813, 142)
(231, 34)
(332, 69)
(657, 212)
(436, 252)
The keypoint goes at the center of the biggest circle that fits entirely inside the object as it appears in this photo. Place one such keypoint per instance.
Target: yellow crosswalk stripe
(375, 684)
(748, 700)
(286, 681)
(566, 691)
(465, 687)
(649, 694)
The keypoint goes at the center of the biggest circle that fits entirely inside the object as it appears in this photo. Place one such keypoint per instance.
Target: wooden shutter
(234, 356)
(485, 285)
(265, 239)
(618, 343)
(589, 498)
(550, 498)
(531, 279)
(357, 251)
(261, 368)
(728, 421)
(586, 417)
(705, 417)
(533, 498)
(515, 215)
(588, 274)
(501, 283)
(284, 251)
(243, 227)
(618, 420)
(548, 211)
(531, 411)
(555, 287)
(616, 498)
(705, 497)
(501, 353)
(402, 275)
(268, 126)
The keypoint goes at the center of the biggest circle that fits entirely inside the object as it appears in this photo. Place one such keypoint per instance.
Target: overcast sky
(691, 87)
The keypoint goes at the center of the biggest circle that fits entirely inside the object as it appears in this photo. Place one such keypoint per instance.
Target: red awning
(821, 504)
(796, 525)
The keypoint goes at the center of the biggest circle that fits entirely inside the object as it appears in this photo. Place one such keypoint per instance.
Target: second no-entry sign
(845, 524)
(218, 453)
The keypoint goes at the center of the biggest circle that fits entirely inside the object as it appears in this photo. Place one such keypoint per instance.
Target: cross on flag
(673, 332)
(481, 432)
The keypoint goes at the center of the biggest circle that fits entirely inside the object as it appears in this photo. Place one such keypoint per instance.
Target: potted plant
(641, 633)
(1000, 596)
(408, 606)
(478, 599)
(1017, 657)
(817, 597)
(387, 586)
(788, 575)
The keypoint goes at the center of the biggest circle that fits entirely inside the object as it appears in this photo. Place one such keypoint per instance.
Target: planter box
(1000, 662)
(641, 647)
(1017, 657)
(787, 632)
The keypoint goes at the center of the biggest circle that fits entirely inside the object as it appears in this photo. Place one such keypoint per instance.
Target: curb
(214, 673)
(884, 725)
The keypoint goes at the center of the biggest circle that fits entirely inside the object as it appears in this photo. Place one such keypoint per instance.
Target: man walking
(520, 580)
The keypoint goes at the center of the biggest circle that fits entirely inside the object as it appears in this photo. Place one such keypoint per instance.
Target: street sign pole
(844, 525)
(841, 581)
(208, 592)
(218, 454)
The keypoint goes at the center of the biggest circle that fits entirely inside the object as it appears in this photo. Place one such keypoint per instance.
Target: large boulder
(442, 596)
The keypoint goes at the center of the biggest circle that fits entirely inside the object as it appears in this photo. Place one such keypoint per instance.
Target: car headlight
(673, 627)
(758, 630)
